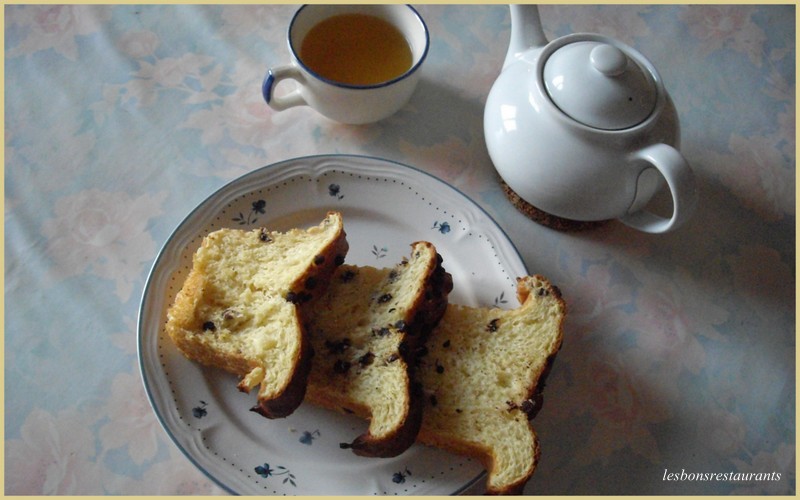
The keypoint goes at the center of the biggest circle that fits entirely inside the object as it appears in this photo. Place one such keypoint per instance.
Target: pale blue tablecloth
(679, 350)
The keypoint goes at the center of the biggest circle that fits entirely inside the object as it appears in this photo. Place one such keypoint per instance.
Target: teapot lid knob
(608, 60)
(599, 85)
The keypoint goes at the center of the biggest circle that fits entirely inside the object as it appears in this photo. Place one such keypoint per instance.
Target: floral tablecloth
(677, 373)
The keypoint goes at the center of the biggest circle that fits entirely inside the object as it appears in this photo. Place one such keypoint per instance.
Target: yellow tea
(356, 49)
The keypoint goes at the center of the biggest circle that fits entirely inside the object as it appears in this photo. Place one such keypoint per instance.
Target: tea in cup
(352, 63)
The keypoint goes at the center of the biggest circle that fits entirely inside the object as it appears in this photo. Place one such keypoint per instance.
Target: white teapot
(583, 129)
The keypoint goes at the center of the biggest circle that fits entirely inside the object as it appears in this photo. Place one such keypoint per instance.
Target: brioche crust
(367, 333)
(483, 378)
(242, 307)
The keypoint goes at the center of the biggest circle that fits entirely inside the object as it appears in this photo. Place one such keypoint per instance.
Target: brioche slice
(483, 376)
(243, 304)
(366, 332)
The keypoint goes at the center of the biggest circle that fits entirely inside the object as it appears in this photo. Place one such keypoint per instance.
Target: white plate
(386, 206)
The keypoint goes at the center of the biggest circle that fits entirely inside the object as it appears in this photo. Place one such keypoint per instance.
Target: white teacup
(353, 102)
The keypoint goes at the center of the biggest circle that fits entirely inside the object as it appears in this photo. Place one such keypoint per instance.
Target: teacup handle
(271, 80)
(680, 179)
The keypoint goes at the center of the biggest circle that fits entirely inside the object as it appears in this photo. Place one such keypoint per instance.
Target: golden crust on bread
(483, 377)
(243, 304)
(367, 332)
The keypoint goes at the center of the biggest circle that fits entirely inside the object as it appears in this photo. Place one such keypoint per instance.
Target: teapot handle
(680, 179)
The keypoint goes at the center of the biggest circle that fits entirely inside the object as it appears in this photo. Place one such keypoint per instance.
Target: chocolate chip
(339, 260)
(209, 326)
(493, 325)
(394, 357)
(381, 332)
(347, 276)
(446, 344)
(403, 348)
(393, 274)
(366, 359)
(319, 260)
(311, 283)
(400, 325)
(341, 366)
(339, 346)
(439, 367)
(386, 297)
(263, 235)
(531, 407)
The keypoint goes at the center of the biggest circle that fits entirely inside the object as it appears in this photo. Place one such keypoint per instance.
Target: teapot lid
(599, 85)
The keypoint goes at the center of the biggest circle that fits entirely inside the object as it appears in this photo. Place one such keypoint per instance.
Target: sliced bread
(367, 331)
(243, 305)
(483, 376)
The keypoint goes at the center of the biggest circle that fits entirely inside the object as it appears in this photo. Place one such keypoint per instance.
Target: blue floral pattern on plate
(265, 471)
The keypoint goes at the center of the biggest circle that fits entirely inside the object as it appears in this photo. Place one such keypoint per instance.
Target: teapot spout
(526, 31)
